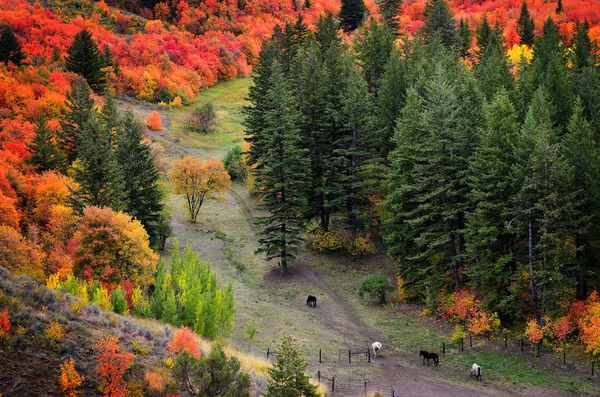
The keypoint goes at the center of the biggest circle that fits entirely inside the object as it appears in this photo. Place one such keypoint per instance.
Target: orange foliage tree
(112, 247)
(154, 122)
(70, 379)
(589, 325)
(184, 340)
(464, 307)
(534, 332)
(15, 254)
(197, 182)
(112, 364)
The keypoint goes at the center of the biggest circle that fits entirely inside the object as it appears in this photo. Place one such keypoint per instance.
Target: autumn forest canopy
(460, 137)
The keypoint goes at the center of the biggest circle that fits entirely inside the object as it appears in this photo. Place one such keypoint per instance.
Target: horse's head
(422, 353)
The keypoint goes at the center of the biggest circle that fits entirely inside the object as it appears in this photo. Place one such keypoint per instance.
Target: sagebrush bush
(54, 333)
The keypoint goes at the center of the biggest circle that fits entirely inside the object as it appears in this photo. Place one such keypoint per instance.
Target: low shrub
(377, 286)
(154, 122)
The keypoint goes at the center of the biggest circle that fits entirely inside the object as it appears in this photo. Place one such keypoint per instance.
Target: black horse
(429, 356)
(311, 301)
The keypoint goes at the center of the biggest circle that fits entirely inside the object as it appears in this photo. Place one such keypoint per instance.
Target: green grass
(228, 99)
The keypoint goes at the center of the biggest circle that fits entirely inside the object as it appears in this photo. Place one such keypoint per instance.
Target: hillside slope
(30, 361)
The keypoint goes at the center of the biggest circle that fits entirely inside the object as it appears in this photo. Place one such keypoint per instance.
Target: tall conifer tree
(352, 14)
(525, 26)
(76, 115)
(45, 155)
(141, 193)
(439, 21)
(85, 59)
(10, 48)
(281, 173)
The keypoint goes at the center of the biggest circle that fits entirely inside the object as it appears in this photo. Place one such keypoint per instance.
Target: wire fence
(354, 387)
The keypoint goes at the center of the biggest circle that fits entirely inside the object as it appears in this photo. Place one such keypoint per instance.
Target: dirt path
(278, 303)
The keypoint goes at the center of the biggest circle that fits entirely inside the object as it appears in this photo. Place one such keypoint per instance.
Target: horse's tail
(436, 359)
(479, 372)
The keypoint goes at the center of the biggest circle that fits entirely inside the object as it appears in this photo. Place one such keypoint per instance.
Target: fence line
(353, 386)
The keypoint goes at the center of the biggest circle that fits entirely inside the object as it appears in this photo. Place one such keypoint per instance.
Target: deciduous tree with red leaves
(113, 362)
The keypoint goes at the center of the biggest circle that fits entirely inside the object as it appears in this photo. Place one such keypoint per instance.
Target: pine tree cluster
(475, 177)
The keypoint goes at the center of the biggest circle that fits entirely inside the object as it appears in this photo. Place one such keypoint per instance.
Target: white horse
(376, 346)
(476, 370)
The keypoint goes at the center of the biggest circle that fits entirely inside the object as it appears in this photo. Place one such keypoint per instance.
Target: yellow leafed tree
(198, 182)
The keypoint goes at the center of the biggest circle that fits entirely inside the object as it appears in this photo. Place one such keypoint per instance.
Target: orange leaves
(112, 364)
(197, 182)
(464, 308)
(8, 212)
(185, 340)
(533, 332)
(69, 378)
(114, 246)
(589, 325)
(154, 122)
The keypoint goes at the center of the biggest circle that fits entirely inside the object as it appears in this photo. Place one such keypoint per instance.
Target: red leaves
(4, 322)
(112, 364)
(184, 340)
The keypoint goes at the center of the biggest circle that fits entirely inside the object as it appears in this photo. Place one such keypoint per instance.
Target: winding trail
(334, 320)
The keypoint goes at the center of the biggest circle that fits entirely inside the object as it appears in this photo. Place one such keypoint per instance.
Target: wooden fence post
(505, 340)
(443, 349)
(521, 343)
(268, 353)
(369, 355)
(320, 357)
(592, 368)
(365, 388)
(470, 340)
(333, 384)
(462, 344)
(538, 349)
(319, 375)
(564, 358)
(349, 356)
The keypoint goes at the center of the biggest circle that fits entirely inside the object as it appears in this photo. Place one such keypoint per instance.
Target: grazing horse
(376, 346)
(429, 356)
(311, 301)
(476, 370)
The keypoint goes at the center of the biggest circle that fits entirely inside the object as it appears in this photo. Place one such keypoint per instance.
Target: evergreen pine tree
(526, 26)
(580, 150)
(142, 196)
(483, 36)
(439, 21)
(466, 38)
(96, 171)
(45, 156)
(559, 7)
(352, 14)
(288, 376)
(402, 198)
(545, 47)
(493, 73)
(85, 59)
(489, 242)
(349, 149)
(10, 48)
(373, 47)
(389, 103)
(389, 11)
(309, 89)
(559, 87)
(109, 115)
(254, 121)
(76, 115)
(327, 32)
(281, 174)
(583, 50)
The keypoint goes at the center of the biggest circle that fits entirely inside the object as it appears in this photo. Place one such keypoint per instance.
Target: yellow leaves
(53, 281)
(55, 333)
(149, 86)
(197, 182)
(518, 52)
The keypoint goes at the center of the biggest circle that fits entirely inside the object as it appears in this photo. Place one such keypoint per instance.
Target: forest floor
(226, 238)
